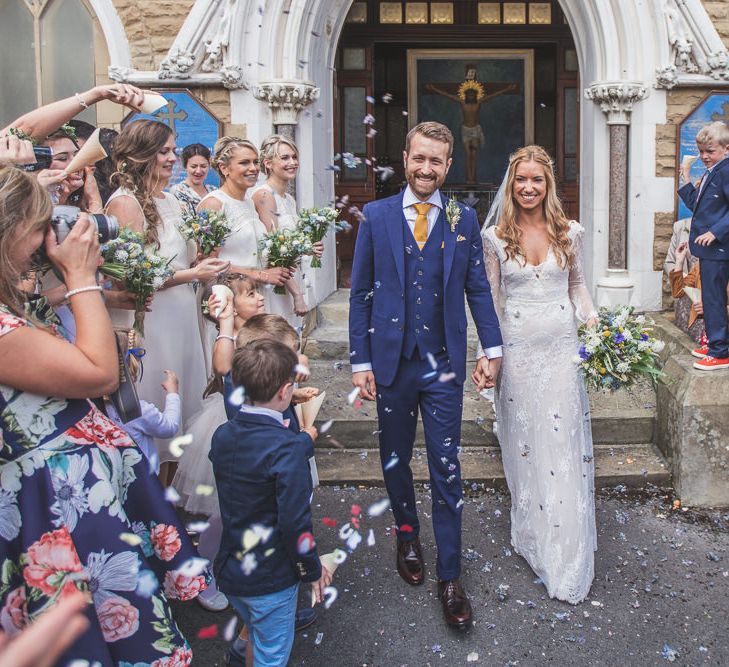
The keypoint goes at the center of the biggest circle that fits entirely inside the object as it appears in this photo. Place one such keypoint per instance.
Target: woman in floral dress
(79, 507)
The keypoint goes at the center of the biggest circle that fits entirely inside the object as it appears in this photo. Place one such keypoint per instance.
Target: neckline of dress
(526, 264)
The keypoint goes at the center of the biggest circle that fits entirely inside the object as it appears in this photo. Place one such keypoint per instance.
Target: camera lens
(107, 226)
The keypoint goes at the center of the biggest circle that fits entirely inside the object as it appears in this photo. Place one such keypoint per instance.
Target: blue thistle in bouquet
(619, 351)
(208, 229)
(138, 269)
(316, 223)
(285, 248)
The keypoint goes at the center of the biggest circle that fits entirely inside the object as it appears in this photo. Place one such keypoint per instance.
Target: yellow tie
(421, 223)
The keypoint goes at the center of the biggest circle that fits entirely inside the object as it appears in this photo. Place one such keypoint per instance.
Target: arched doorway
(499, 74)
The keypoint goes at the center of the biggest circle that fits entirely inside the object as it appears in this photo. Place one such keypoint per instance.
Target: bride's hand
(591, 323)
(485, 374)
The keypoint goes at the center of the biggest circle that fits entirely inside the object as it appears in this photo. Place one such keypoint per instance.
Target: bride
(533, 258)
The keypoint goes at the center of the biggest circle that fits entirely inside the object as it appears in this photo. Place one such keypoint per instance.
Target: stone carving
(119, 73)
(616, 99)
(286, 99)
(232, 77)
(666, 77)
(177, 65)
(682, 46)
(217, 47)
(718, 63)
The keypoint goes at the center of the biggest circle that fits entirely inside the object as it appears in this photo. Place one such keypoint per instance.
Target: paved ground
(661, 593)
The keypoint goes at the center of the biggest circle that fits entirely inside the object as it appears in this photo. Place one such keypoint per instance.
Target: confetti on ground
(208, 632)
(330, 596)
(327, 521)
(319, 637)
(178, 443)
(472, 657)
(305, 543)
(378, 508)
(371, 538)
(669, 653)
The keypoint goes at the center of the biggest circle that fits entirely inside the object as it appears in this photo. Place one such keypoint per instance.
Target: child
(709, 239)
(152, 423)
(262, 473)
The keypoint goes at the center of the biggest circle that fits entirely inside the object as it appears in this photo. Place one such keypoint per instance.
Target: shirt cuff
(359, 368)
(490, 352)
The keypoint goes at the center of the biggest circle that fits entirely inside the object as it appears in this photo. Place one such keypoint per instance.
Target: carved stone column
(616, 100)
(286, 99)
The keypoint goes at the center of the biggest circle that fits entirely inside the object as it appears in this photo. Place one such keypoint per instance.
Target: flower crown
(471, 85)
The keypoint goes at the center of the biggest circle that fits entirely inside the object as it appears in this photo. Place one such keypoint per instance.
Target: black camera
(65, 217)
(43, 159)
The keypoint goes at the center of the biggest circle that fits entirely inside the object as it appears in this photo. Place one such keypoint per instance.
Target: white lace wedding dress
(543, 417)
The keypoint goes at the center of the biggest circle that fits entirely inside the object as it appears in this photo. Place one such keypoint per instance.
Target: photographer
(71, 481)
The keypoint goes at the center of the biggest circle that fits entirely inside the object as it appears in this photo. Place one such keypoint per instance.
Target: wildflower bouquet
(285, 248)
(316, 223)
(141, 271)
(208, 229)
(619, 350)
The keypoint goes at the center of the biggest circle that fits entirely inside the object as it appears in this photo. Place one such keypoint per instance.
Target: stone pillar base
(692, 422)
(614, 289)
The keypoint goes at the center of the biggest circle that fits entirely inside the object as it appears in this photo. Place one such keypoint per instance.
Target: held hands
(365, 380)
(210, 267)
(707, 238)
(171, 384)
(318, 586)
(78, 257)
(485, 374)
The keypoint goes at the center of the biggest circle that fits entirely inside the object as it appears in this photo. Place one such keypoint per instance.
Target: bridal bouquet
(208, 229)
(316, 222)
(141, 271)
(619, 350)
(285, 248)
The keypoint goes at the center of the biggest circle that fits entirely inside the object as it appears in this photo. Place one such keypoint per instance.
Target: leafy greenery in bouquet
(285, 248)
(208, 229)
(316, 223)
(140, 271)
(619, 351)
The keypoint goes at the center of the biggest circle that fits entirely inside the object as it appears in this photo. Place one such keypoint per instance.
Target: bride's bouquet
(208, 229)
(316, 223)
(139, 270)
(619, 350)
(285, 248)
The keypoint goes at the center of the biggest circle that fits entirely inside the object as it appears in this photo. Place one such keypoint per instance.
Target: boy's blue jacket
(264, 485)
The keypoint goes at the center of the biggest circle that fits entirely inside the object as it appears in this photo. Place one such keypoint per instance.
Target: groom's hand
(486, 371)
(365, 380)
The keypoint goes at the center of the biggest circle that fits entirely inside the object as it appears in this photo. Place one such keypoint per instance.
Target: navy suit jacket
(377, 300)
(262, 476)
(710, 213)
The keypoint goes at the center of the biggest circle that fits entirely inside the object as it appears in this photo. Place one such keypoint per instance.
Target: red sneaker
(709, 363)
(700, 352)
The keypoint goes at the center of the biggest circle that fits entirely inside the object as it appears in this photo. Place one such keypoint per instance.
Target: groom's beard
(422, 188)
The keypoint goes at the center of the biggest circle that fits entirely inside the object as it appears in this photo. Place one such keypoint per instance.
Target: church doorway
(499, 74)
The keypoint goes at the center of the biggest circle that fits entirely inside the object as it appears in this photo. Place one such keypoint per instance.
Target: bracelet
(81, 290)
(81, 101)
(225, 337)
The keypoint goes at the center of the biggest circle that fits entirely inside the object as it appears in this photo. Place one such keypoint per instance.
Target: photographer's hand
(16, 151)
(78, 256)
(49, 177)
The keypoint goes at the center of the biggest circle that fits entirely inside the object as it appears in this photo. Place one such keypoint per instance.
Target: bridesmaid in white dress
(534, 263)
(277, 210)
(144, 154)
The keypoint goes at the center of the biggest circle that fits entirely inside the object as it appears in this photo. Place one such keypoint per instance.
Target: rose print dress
(81, 510)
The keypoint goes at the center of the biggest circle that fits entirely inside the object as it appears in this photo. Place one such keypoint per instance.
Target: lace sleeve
(492, 262)
(579, 294)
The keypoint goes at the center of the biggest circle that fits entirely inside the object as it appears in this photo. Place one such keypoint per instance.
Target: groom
(416, 254)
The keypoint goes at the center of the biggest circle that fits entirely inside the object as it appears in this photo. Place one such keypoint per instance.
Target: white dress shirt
(266, 412)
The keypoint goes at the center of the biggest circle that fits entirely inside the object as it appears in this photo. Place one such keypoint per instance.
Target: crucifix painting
(484, 96)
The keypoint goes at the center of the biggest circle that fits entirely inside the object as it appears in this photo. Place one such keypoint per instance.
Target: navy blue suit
(262, 476)
(711, 213)
(407, 319)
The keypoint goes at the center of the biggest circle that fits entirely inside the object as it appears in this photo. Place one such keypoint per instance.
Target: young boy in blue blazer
(264, 490)
(709, 240)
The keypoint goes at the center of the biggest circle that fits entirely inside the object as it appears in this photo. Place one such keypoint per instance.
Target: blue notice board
(190, 120)
(715, 106)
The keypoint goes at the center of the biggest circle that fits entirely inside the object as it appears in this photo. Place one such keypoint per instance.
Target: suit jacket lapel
(449, 242)
(394, 226)
(710, 177)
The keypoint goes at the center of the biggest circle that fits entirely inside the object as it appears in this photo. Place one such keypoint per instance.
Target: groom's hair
(432, 130)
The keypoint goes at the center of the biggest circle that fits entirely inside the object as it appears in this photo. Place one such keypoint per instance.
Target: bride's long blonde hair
(557, 223)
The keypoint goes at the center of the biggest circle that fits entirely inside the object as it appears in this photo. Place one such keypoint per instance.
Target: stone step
(617, 419)
(334, 310)
(633, 465)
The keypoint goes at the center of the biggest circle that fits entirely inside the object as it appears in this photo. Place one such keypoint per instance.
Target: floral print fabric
(81, 510)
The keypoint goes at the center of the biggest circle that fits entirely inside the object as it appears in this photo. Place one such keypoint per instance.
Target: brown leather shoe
(456, 607)
(410, 564)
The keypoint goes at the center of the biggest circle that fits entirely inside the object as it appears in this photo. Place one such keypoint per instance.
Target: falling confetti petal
(178, 443)
(378, 508)
(353, 395)
(204, 490)
(300, 369)
(431, 360)
(147, 584)
(197, 526)
(237, 397)
(132, 539)
(446, 377)
(193, 567)
(330, 596)
(249, 564)
(250, 539)
(208, 632)
(305, 544)
(171, 495)
(393, 461)
(325, 427)
(229, 631)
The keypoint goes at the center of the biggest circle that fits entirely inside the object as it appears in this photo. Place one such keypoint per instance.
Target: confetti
(300, 369)
(193, 567)
(230, 627)
(208, 632)
(392, 462)
(249, 564)
(353, 395)
(325, 427)
(319, 637)
(171, 495)
(446, 377)
(327, 521)
(371, 538)
(387, 98)
(204, 490)
(147, 584)
(197, 526)
(431, 360)
(378, 508)
(251, 539)
(178, 443)
(472, 657)
(339, 556)
(132, 539)
(370, 99)
(305, 544)
(406, 528)
(669, 653)
(330, 596)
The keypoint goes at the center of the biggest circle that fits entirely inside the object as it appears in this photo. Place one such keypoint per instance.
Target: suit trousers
(714, 281)
(420, 387)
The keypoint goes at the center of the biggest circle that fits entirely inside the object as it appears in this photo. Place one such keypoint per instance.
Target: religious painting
(715, 106)
(486, 98)
(190, 120)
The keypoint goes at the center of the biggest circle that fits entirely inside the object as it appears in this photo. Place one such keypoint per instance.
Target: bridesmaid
(277, 210)
(144, 155)
(196, 162)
